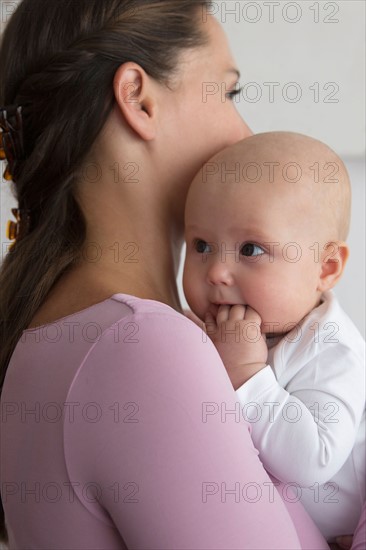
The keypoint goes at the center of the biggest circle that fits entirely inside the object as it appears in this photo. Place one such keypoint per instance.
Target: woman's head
(169, 131)
(158, 135)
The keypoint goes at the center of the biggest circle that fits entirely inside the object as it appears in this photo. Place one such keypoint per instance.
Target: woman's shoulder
(115, 314)
(120, 333)
(147, 326)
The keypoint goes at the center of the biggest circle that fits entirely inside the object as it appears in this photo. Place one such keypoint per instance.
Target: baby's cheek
(265, 299)
(275, 312)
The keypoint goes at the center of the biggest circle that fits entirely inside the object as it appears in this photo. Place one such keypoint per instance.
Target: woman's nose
(246, 131)
(219, 273)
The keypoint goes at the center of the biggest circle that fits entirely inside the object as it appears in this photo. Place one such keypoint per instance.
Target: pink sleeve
(359, 538)
(170, 448)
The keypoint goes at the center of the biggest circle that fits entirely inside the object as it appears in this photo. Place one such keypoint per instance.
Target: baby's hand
(237, 336)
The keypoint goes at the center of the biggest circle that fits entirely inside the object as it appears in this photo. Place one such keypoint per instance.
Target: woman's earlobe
(334, 258)
(134, 96)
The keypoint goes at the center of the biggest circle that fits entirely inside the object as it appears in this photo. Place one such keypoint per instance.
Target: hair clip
(7, 176)
(2, 150)
(17, 230)
(11, 138)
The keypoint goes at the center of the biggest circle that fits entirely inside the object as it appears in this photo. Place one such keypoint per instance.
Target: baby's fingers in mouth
(237, 312)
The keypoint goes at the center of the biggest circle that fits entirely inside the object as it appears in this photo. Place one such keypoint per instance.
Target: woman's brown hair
(58, 59)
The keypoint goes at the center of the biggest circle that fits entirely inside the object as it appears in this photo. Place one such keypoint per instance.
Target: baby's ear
(334, 258)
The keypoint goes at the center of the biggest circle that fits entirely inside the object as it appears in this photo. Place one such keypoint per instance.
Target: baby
(266, 224)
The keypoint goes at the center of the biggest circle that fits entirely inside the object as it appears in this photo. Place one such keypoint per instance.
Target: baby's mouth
(214, 307)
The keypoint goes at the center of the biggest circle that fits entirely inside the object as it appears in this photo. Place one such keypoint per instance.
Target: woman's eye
(250, 249)
(201, 246)
(234, 93)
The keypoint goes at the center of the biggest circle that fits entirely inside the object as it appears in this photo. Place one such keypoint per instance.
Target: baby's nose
(219, 273)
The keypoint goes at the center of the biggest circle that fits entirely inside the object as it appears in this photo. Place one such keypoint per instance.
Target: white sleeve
(305, 433)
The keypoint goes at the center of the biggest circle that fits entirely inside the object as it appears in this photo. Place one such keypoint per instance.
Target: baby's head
(266, 220)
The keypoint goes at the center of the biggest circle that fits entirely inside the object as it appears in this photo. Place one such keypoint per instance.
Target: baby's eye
(201, 246)
(251, 249)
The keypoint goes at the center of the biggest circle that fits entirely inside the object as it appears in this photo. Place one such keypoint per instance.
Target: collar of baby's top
(273, 340)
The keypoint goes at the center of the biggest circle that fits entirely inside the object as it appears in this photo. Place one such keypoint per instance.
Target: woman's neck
(146, 267)
(134, 235)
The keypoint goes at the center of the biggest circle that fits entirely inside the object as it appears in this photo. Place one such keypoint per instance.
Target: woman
(108, 437)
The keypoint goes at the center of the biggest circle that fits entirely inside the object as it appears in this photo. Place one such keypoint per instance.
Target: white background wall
(304, 43)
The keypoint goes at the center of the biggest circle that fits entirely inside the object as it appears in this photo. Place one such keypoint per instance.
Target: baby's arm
(307, 432)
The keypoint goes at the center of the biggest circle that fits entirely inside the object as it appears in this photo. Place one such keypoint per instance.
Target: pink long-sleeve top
(359, 539)
(118, 431)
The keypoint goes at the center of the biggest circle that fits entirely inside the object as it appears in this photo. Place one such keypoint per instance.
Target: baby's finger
(210, 320)
(252, 316)
(237, 313)
(223, 314)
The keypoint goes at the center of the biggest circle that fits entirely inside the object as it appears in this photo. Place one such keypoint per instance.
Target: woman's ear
(133, 93)
(334, 258)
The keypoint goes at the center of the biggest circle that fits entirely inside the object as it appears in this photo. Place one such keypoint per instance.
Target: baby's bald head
(294, 166)
(265, 225)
